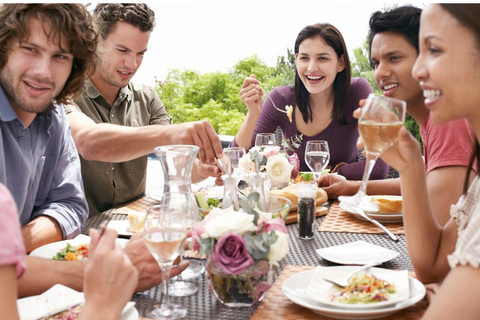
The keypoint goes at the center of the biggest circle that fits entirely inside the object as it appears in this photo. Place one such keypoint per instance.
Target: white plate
(59, 298)
(121, 226)
(155, 195)
(294, 287)
(357, 253)
(381, 217)
(49, 250)
(320, 290)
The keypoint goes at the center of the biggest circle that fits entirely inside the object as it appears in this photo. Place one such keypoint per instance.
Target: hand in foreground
(432, 290)
(201, 134)
(110, 277)
(251, 94)
(402, 153)
(149, 273)
(335, 185)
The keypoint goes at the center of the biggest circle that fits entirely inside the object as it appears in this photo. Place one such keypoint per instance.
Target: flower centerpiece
(274, 161)
(242, 246)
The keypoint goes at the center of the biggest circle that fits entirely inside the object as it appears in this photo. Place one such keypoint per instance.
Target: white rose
(279, 249)
(278, 170)
(246, 164)
(228, 221)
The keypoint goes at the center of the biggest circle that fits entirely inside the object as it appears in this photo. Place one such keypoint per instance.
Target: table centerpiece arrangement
(274, 160)
(242, 248)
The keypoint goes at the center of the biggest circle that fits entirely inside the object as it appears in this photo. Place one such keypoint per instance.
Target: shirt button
(113, 168)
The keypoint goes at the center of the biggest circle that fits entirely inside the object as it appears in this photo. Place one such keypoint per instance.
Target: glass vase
(242, 290)
(177, 164)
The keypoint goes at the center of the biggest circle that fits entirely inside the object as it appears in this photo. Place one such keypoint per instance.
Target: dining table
(302, 256)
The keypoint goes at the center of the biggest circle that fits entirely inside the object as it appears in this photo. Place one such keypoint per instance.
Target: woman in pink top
(110, 277)
(12, 253)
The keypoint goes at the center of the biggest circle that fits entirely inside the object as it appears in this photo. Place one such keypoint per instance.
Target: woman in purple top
(324, 97)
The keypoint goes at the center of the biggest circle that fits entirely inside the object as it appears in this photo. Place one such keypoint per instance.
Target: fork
(268, 96)
(343, 282)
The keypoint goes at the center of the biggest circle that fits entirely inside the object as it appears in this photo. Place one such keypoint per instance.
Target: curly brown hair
(71, 20)
(139, 15)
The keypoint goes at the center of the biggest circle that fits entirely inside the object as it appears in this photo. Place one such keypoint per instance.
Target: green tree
(191, 96)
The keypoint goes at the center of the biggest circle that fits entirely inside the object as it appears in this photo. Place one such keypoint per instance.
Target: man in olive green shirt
(116, 123)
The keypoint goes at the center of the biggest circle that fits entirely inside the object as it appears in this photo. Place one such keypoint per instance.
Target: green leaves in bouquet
(292, 143)
(206, 245)
(261, 159)
(258, 245)
(248, 205)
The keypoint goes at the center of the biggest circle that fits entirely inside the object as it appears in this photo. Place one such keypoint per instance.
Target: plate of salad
(375, 288)
(72, 249)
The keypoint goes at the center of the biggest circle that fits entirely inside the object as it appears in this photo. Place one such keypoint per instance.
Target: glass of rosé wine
(381, 119)
(166, 228)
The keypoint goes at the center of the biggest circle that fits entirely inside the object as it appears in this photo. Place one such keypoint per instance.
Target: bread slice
(290, 192)
(388, 204)
(136, 221)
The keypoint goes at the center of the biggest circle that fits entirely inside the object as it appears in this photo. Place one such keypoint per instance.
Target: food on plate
(69, 314)
(388, 204)
(72, 252)
(289, 110)
(136, 221)
(364, 288)
(205, 205)
(291, 193)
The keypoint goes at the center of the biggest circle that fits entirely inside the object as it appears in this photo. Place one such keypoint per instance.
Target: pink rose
(295, 162)
(197, 232)
(270, 151)
(260, 289)
(231, 255)
(275, 224)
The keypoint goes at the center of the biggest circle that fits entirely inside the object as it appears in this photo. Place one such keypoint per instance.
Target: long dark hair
(467, 15)
(341, 84)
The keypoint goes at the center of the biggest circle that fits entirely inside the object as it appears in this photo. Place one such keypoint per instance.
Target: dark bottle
(306, 209)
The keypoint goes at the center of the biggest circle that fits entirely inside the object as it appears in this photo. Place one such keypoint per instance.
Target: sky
(210, 35)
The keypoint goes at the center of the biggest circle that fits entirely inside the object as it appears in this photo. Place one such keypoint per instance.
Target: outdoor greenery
(190, 96)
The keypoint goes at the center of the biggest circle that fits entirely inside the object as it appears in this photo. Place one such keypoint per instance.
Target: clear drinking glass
(381, 119)
(232, 156)
(317, 156)
(264, 140)
(164, 236)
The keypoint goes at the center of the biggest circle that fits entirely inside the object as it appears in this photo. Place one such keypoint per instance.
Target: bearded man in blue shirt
(44, 60)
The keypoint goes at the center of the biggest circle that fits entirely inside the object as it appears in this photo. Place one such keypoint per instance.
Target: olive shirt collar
(124, 93)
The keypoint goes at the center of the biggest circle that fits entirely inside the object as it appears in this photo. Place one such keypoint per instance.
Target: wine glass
(264, 140)
(164, 236)
(317, 156)
(232, 156)
(381, 119)
(179, 287)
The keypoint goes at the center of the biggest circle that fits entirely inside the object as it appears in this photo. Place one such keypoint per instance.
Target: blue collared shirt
(40, 166)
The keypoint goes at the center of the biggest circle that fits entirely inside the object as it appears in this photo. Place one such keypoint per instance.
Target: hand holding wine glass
(164, 236)
(317, 156)
(381, 119)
